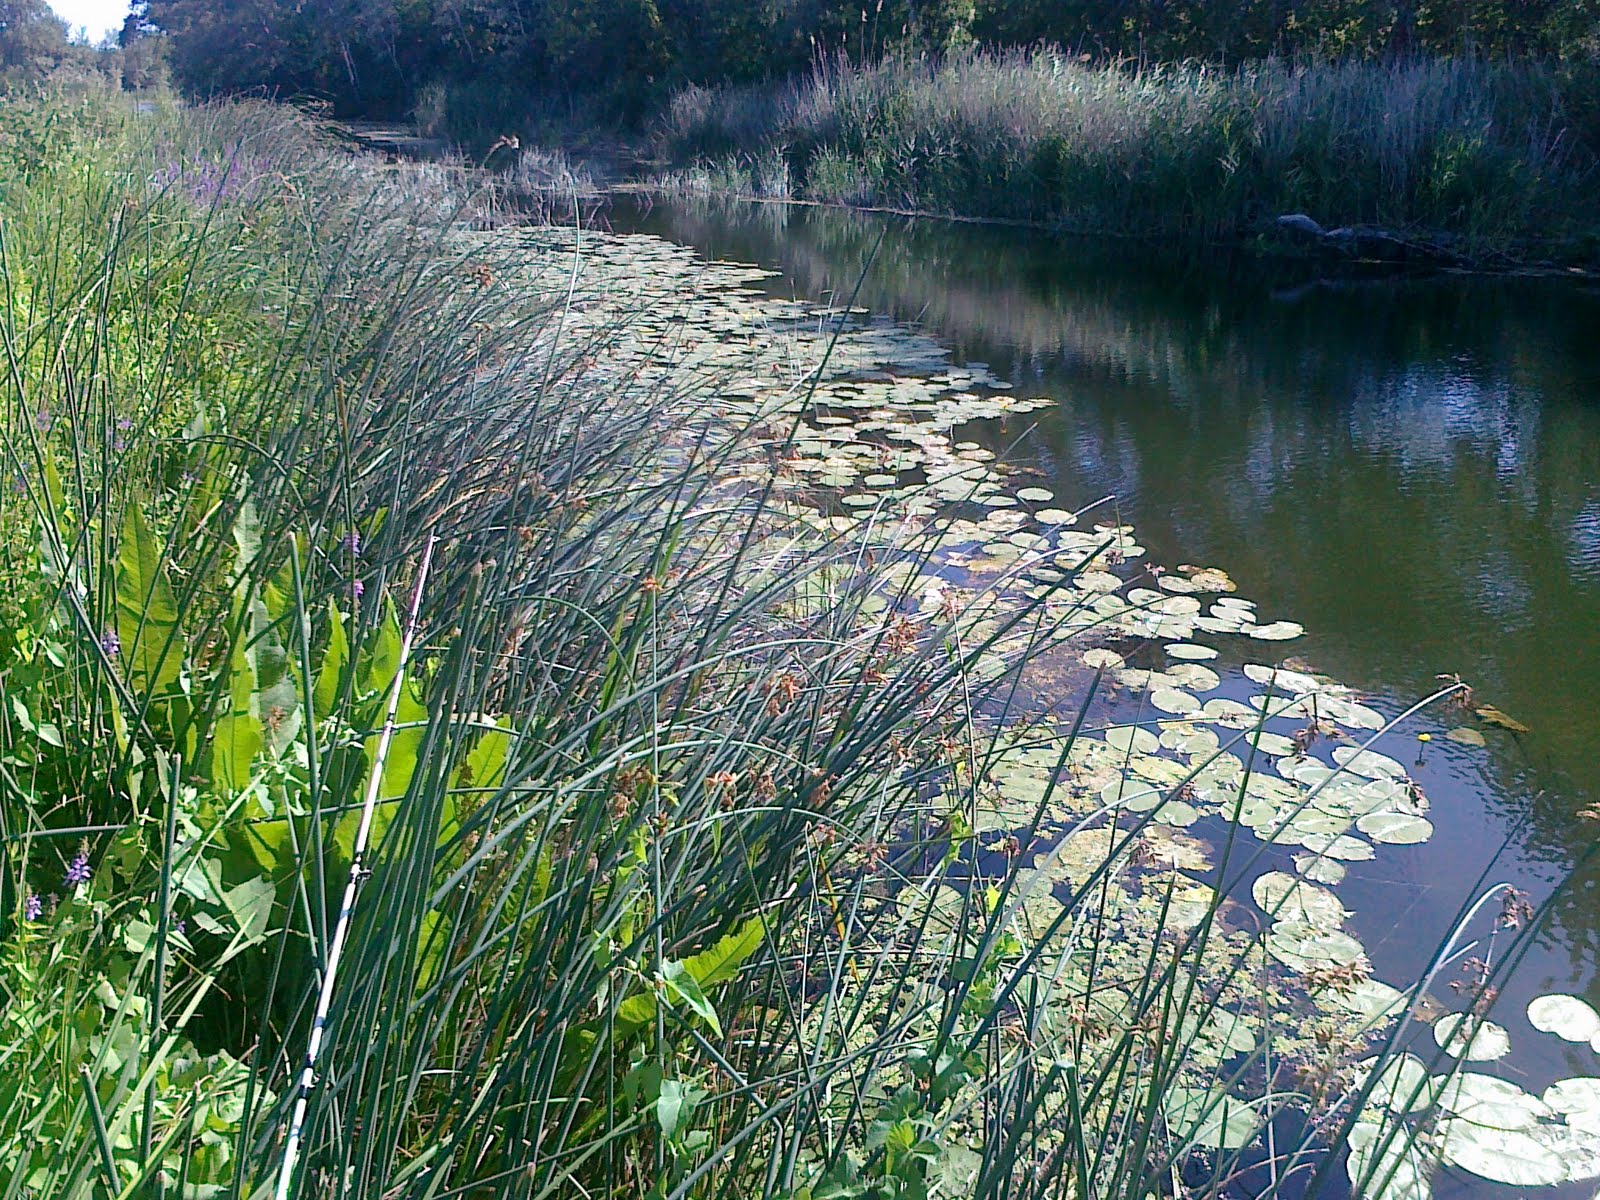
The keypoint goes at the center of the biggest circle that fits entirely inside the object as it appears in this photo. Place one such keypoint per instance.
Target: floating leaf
(1190, 652)
(1276, 631)
(1490, 715)
(1307, 947)
(1489, 1102)
(1368, 763)
(1512, 1156)
(1174, 700)
(1199, 1117)
(1385, 1164)
(1578, 1100)
(1401, 1084)
(1395, 829)
(1565, 1016)
(1467, 737)
(1486, 1043)
(1285, 898)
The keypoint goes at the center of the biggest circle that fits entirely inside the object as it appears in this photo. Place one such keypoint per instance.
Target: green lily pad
(1577, 1100)
(1174, 700)
(1568, 1017)
(1384, 1163)
(1308, 947)
(1395, 829)
(1485, 1044)
(1515, 1156)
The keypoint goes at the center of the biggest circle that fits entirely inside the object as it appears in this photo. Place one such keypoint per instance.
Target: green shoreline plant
(1498, 156)
(715, 849)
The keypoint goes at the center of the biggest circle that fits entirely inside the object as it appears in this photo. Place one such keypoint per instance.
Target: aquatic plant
(781, 796)
(1488, 152)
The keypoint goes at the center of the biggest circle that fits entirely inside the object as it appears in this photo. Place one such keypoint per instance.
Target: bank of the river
(508, 710)
(1452, 159)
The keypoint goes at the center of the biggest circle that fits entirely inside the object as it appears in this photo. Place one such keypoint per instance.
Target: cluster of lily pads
(876, 430)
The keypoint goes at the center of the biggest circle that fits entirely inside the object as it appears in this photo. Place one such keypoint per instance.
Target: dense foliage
(380, 57)
(1476, 155)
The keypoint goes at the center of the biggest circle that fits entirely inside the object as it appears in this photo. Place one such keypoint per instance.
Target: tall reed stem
(352, 885)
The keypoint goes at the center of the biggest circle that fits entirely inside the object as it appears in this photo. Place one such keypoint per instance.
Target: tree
(32, 38)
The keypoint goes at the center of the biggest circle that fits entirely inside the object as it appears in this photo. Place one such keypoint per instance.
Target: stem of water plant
(352, 885)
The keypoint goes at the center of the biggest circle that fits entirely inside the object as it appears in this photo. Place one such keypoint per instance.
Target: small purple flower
(118, 445)
(191, 477)
(357, 589)
(182, 927)
(43, 420)
(78, 871)
(352, 542)
(110, 643)
(32, 907)
(124, 424)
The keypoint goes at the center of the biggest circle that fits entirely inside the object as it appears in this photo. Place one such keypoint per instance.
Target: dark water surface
(1409, 467)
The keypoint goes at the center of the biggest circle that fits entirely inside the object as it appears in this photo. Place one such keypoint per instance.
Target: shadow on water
(1408, 466)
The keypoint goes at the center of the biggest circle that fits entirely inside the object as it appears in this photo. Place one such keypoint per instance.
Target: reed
(1490, 152)
(671, 882)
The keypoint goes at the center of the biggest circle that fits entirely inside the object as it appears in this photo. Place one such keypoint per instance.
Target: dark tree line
(379, 57)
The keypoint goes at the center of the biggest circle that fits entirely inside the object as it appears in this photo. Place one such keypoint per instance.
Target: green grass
(1493, 154)
(673, 886)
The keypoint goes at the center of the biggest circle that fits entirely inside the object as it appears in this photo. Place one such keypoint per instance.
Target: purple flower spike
(78, 872)
(357, 589)
(32, 907)
(352, 542)
(110, 643)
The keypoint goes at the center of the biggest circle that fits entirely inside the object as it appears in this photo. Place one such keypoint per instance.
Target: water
(1409, 467)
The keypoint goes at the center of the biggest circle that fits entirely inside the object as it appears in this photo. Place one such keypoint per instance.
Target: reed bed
(1485, 151)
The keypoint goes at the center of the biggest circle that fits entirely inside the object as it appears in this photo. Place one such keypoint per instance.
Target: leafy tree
(33, 40)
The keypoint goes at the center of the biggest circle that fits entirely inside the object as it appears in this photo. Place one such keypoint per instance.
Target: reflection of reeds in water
(1479, 149)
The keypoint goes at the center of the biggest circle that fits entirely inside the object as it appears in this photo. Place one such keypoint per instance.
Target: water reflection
(1411, 468)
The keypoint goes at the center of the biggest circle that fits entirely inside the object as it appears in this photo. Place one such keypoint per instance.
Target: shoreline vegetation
(770, 791)
(1455, 160)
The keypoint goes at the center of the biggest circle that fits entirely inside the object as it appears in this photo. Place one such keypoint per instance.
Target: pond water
(1409, 467)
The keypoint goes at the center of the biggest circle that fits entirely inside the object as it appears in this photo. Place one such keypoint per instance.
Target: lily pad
(1307, 947)
(1275, 631)
(1174, 700)
(1578, 1100)
(1395, 829)
(1567, 1017)
(1489, 1102)
(1485, 1044)
(1384, 1163)
(1513, 1156)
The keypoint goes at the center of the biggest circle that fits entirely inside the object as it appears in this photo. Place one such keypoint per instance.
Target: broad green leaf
(721, 961)
(250, 905)
(682, 986)
(380, 658)
(330, 679)
(147, 610)
(672, 1107)
(234, 746)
